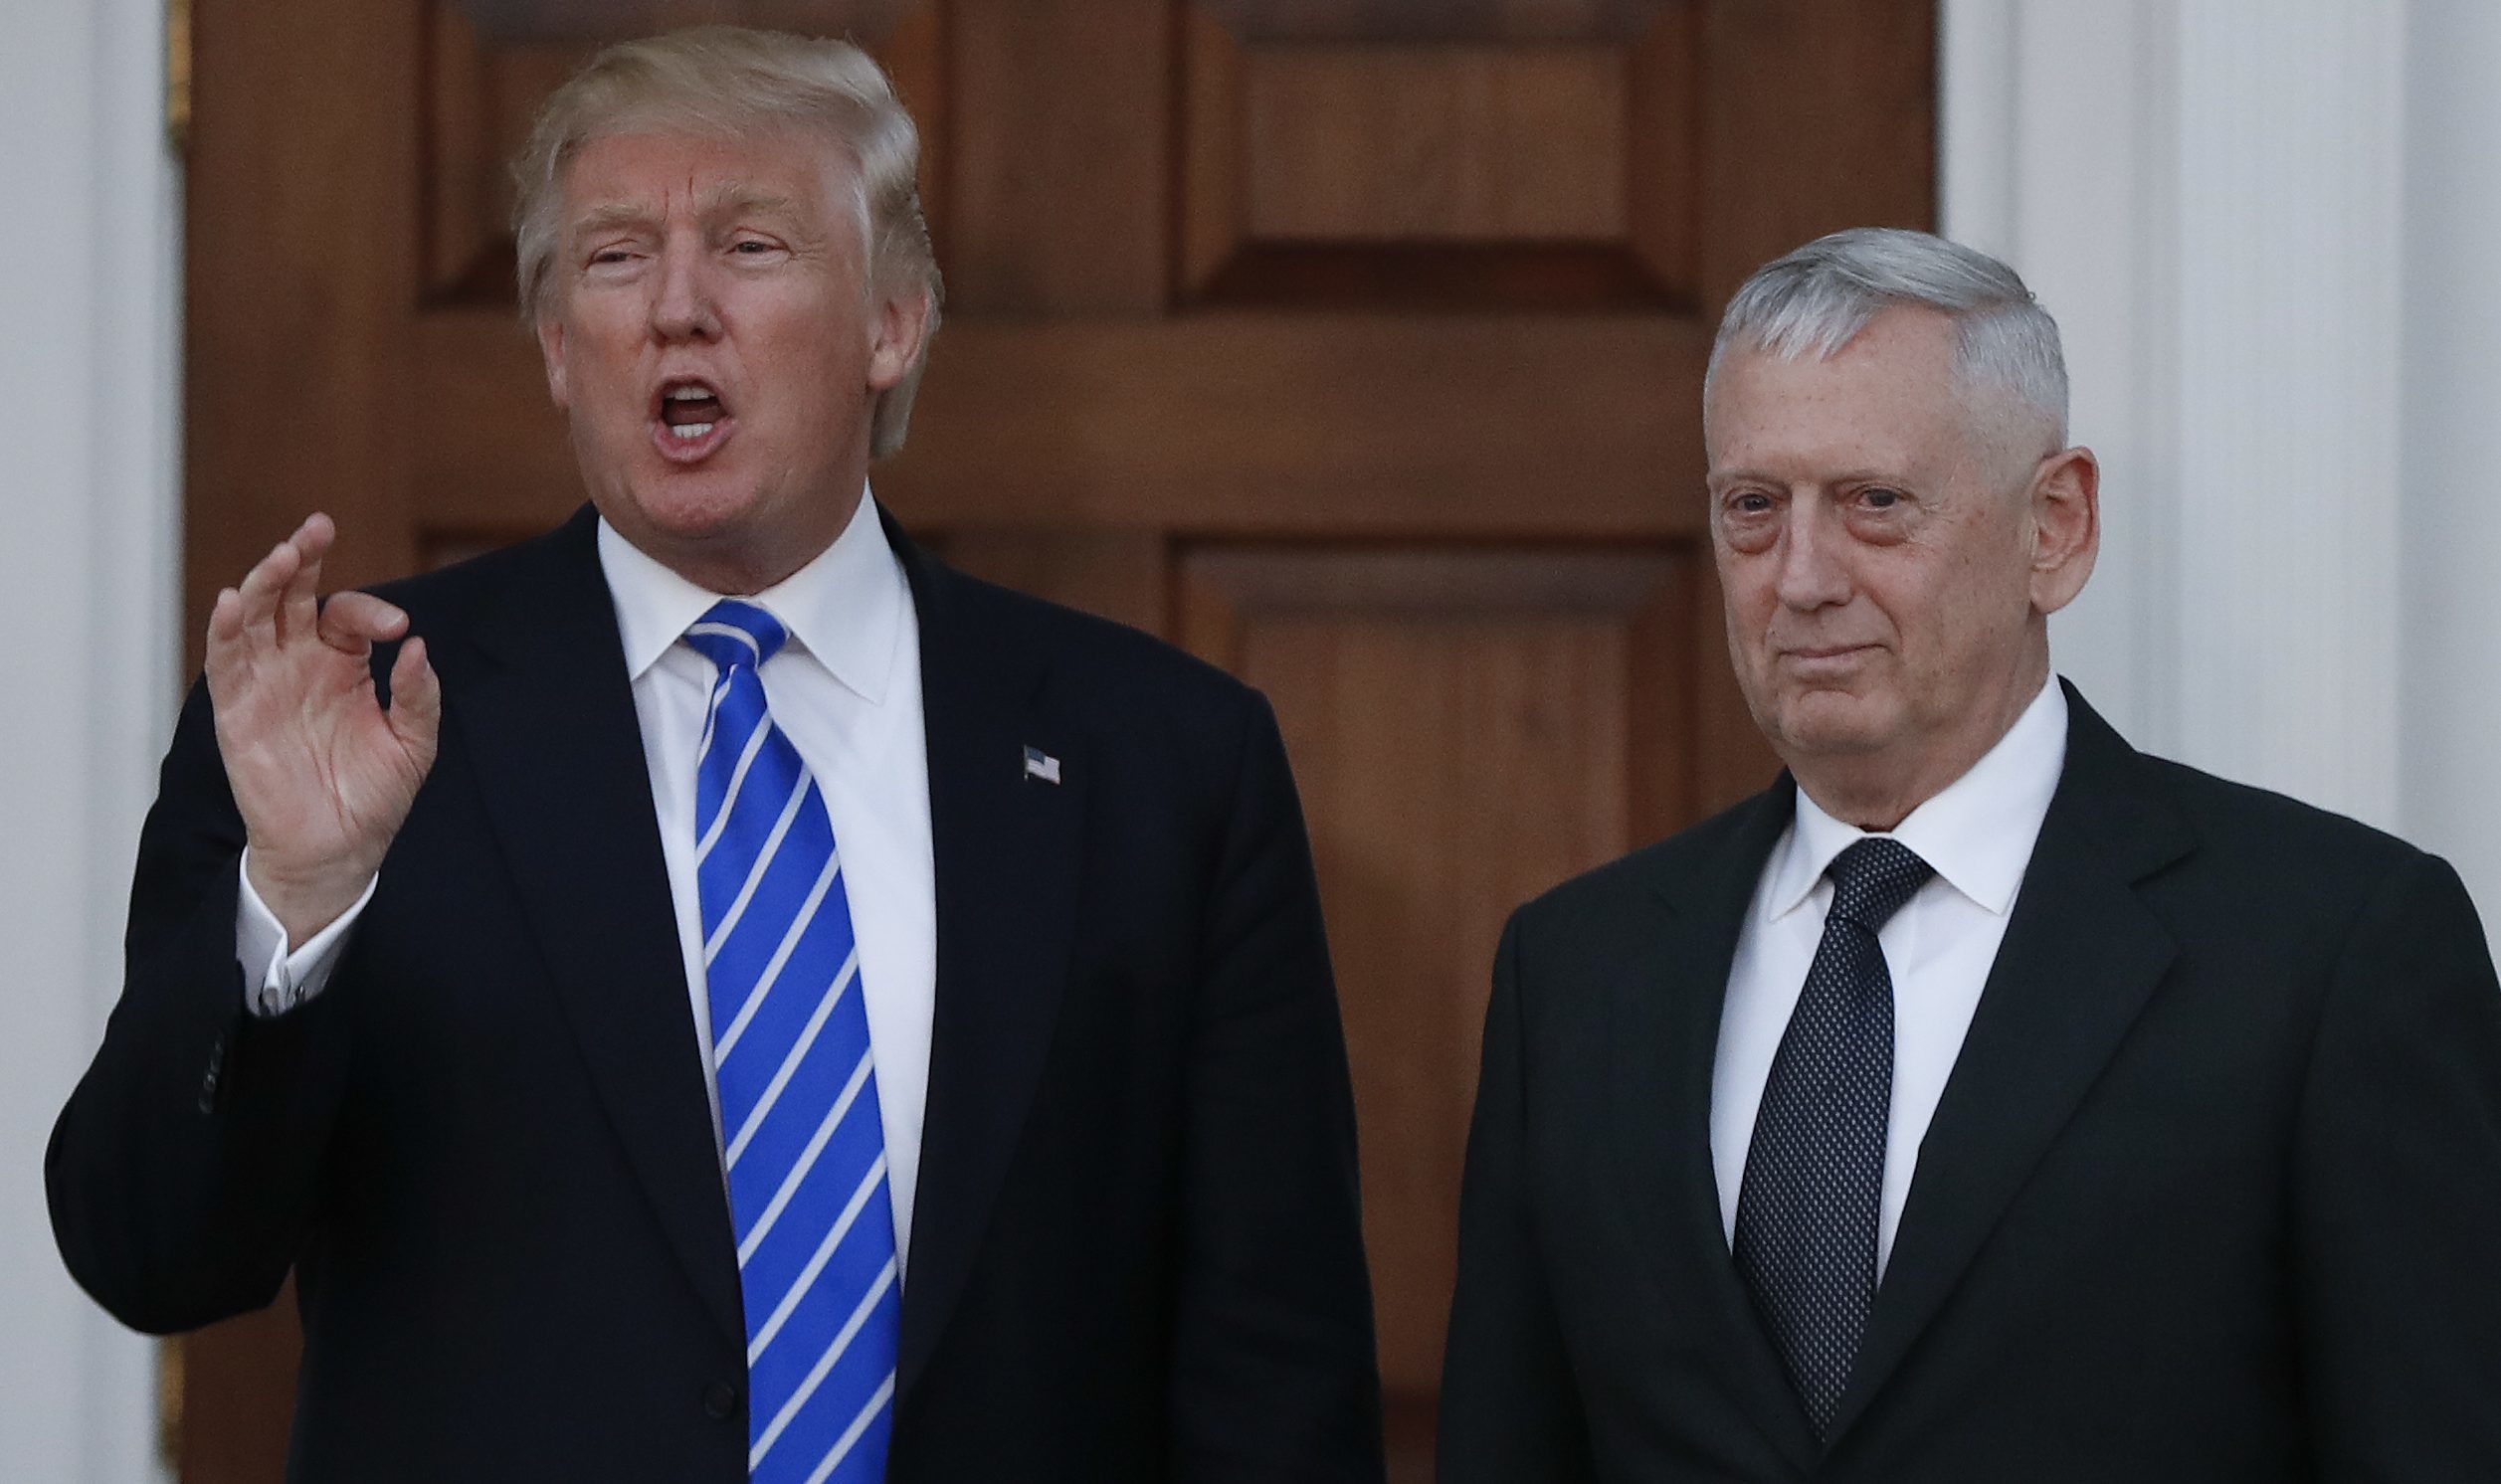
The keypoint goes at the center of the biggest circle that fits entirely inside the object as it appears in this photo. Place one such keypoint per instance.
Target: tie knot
(732, 632)
(1872, 878)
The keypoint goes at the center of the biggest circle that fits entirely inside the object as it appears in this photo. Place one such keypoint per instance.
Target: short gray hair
(729, 81)
(1812, 300)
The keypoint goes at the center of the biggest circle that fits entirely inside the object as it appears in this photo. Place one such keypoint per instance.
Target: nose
(684, 304)
(1813, 570)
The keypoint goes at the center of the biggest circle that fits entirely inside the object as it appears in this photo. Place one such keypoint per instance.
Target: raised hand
(323, 774)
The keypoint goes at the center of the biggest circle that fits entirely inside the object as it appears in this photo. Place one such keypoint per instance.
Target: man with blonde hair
(712, 993)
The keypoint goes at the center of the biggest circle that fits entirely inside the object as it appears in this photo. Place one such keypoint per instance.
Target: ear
(551, 351)
(895, 335)
(2066, 527)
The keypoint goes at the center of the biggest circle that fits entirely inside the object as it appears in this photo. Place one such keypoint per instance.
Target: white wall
(2017, 117)
(88, 529)
(2211, 198)
(2450, 548)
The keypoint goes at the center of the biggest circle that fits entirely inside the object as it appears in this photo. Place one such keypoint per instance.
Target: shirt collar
(1977, 832)
(845, 607)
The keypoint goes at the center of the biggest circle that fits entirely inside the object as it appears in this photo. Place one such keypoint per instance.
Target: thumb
(416, 701)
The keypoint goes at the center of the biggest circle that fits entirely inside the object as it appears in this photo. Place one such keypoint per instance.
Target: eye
(1748, 520)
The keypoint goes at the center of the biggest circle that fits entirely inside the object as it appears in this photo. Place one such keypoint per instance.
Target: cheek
(1944, 579)
(1748, 593)
(1969, 617)
(811, 367)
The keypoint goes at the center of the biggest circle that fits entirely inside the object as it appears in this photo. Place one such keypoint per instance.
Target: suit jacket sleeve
(181, 1173)
(1509, 1411)
(1275, 1375)
(2398, 1190)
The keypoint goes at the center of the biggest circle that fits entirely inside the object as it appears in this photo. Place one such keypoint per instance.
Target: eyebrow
(612, 214)
(1868, 474)
(737, 200)
(727, 200)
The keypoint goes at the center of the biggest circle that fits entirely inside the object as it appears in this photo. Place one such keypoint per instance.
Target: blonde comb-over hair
(729, 81)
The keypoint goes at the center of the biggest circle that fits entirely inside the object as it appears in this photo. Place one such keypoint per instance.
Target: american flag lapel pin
(1041, 765)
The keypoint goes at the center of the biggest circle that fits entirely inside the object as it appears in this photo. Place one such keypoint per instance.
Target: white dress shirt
(845, 690)
(1978, 834)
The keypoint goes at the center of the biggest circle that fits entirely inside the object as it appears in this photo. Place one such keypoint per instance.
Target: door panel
(1467, 728)
(1355, 344)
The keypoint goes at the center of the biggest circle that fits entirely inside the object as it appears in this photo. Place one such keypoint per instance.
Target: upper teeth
(688, 394)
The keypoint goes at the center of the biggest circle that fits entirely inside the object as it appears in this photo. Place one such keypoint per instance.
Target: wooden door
(1355, 344)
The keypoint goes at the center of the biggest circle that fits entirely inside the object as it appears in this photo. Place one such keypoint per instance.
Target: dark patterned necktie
(1813, 1190)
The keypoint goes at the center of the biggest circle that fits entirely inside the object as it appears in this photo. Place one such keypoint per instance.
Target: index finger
(300, 601)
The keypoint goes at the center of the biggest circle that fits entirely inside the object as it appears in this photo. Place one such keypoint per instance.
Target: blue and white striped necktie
(803, 1144)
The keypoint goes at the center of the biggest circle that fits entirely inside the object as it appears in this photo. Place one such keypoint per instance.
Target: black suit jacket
(2213, 1192)
(485, 1149)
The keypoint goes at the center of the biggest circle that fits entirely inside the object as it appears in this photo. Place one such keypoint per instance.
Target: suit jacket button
(720, 1401)
(216, 1070)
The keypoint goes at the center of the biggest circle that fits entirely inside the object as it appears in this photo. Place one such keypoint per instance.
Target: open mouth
(689, 419)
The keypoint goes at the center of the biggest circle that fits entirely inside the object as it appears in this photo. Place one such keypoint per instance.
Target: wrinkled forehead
(1903, 339)
(1898, 369)
(660, 167)
(1894, 393)
(705, 203)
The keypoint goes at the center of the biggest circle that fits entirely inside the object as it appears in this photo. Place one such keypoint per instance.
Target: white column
(2206, 194)
(2448, 471)
(88, 524)
(2059, 155)
(2290, 183)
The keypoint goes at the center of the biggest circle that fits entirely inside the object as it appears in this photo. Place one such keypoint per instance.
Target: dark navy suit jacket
(2212, 1195)
(485, 1151)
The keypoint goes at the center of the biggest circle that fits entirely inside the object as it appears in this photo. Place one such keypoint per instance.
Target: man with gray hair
(493, 966)
(1985, 1100)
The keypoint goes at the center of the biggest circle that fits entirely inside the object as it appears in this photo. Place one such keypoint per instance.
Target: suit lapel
(1669, 989)
(2080, 958)
(546, 713)
(1006, 851)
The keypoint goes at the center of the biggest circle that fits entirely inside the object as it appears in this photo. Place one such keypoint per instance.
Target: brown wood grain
(1364, 428)
(1121, 575)
(1413, 171)
(1213, 207)
(300, 261)
(1462, 729)
(239, 1397)
(867, 21)
(914, 55)
(1664, 102)
(1467, 143)
(1442, 277)
(1438, 19)
(1818, 114)
(1061, 178)
(460, 212)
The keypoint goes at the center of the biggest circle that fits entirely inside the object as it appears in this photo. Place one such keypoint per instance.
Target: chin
(691, 507)
(1831, 723)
